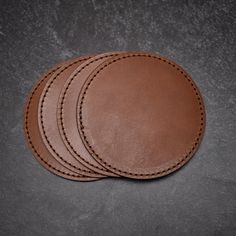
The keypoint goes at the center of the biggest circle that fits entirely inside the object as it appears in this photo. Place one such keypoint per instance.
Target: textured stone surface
(200, 199)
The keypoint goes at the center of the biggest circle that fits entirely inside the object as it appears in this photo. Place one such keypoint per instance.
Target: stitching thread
(197, 139)
(27, 128)
(62, 109)
(41, 115)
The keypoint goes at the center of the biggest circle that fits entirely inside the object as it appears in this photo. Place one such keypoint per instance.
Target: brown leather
(47, 119)
(33, 135)
(136, 115)
(67, 113)
(140, 115)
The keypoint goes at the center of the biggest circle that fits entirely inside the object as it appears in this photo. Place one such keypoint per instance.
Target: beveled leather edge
(67, 175)
(46, 140)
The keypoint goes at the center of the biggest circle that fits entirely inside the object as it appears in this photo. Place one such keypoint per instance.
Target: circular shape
(67, 113)
(33, 135)
(140, 115)
(47, 119)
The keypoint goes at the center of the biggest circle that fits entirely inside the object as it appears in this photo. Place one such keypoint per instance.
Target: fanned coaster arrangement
(117, 114)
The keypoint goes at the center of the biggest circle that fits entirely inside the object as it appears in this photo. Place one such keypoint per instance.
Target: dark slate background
(199, 199)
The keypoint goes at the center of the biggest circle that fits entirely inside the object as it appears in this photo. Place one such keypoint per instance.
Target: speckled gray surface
(200, 199)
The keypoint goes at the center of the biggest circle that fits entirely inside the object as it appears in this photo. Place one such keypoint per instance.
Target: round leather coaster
(67, 113)
(33, 135)
(47, 119)
(140, 115)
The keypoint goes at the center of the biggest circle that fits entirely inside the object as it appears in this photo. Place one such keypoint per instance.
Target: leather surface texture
(140, 115)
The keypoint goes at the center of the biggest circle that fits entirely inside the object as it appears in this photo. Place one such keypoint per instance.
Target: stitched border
(63, 98)
(198, 97)
(26, 124)
(41, 114)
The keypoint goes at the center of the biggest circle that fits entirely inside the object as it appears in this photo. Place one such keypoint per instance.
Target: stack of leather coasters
(129, 114)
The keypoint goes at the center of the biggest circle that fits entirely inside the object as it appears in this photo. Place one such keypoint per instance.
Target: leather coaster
(67, 113)
(33, 135)
(140, 115)
(47, 119)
